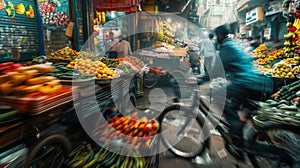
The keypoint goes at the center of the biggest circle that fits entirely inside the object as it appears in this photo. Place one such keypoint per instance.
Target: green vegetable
(6, 115)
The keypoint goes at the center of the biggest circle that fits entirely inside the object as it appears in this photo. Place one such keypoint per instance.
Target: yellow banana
(103, 19)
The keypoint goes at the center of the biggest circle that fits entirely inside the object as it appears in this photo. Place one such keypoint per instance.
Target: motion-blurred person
(244, 82)
(194, 61)
(211, 37)
(252, 46)
(208, 51)
(111, 48)
(123, 47)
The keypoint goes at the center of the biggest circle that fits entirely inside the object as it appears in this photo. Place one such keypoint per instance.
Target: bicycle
(262, 143)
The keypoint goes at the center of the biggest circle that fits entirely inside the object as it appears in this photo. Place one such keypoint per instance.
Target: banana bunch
(84, 157)
(100, 18)
(288, 49)
(297, 23)
(287, 43)
(297, 43)
(288, 24)
(289, 35)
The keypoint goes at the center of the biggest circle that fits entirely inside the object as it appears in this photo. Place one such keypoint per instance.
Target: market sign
(267, 33)
(274, 7)
(254, 15)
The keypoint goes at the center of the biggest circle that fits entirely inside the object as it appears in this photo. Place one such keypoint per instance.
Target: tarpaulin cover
(118, 5)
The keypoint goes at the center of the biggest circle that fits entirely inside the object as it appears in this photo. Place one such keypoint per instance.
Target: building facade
(262, 18)
(217, 12)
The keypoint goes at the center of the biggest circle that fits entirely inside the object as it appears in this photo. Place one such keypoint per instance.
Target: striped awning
(116, 5)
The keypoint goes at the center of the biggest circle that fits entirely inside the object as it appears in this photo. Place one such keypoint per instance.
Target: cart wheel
(49, 152)
(176, 78)
(132, 99)
(150, 79)
(129, 104)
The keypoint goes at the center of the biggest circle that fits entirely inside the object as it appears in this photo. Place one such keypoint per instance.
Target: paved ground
(216, 157)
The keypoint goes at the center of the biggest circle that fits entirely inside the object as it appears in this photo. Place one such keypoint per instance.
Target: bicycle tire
(58, 140)
(183, 147)
(150, 79)
(289, 151)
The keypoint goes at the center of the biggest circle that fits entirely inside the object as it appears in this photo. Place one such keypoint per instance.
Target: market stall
(282, 65)
(40, 90)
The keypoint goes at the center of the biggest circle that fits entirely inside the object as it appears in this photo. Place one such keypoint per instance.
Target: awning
(178, 7)
(116, 5)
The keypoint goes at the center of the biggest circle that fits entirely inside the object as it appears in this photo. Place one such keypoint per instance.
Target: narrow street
(216, 157)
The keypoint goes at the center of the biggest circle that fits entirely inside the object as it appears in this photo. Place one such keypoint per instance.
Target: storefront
(275, 20)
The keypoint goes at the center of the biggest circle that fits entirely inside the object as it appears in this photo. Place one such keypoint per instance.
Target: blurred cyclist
(244, 81)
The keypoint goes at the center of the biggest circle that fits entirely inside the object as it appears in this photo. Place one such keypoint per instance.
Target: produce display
(26, 80)
(64, 54)
(85, 157)
(64, 73)
(110, 62)
(168, 30)
(130, 130)
(87, 55)
(260, 48)
(93, 68)
(284, 62)
(134, 61)
(287, 92)
(8, 67)
(284, 70)
(269, 57)
(280, 111)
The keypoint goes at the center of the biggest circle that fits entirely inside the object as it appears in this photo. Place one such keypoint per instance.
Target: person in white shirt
(123, 47)
(112, 46)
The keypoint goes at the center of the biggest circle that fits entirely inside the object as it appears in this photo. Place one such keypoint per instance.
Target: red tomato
(148, 127)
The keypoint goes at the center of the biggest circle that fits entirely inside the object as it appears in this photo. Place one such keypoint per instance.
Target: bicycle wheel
(180, 132)
(282, 145)
(50, 152)
(150, 79)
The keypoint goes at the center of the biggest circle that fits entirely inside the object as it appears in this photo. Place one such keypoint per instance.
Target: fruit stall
(283, 66)
(41, 94)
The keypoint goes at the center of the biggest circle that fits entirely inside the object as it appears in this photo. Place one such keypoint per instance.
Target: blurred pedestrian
(211, 37)
(208, 53)
(194, 59)
(253, 44)
(123, 47)
(111, 46)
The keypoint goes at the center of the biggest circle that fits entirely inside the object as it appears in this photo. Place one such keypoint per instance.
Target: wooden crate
(179, 52)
